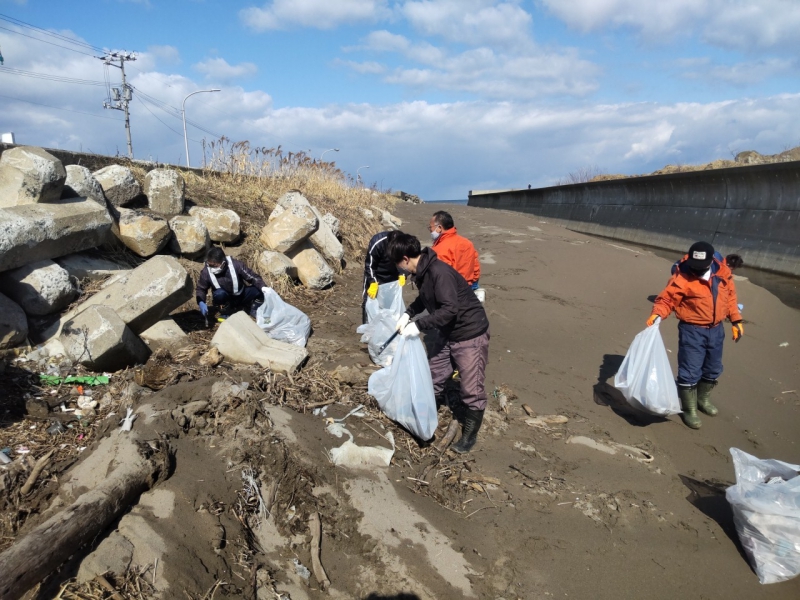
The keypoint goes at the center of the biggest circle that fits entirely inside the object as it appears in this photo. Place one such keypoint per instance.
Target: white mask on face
(435, 235)
(215, 270)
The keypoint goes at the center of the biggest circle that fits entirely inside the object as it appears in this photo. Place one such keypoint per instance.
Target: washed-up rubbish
(351, 454)
(4, 458)
(282, 321)
(300, 569)
(356, 411)
(84, 379)
(86, 402)
(766, 511)
(404, 390)
(127, 422)
(645, 376)
(55, 428)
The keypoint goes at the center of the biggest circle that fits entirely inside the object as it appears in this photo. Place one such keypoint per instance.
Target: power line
(46, 42)
(49, 76)
(59, 108)
(142, 100)
(64, 38)
(175, 112)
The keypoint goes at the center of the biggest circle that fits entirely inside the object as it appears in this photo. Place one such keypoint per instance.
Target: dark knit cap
(700, 256)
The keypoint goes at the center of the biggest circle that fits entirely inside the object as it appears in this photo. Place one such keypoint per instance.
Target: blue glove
(203, 308)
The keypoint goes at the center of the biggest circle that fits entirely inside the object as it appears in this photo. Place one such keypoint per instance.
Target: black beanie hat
(700, 256)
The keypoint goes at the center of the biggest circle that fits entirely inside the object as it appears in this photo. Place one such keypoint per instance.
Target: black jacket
(453, 307)
(244, 274)
(378, 266)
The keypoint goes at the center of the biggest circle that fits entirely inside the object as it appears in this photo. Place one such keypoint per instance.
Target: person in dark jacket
(461, 322)
(235, 287)
(378, 268)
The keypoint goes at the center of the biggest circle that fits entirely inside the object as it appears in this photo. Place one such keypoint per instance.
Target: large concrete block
(13, 323)
(147, 294)
(312, 269)
(276, 264)
(141, 232)
(29, 175)
(99, 339)
(37, 231)
(240, 340)
(190, 235)
(289, 229)
(333, 223)
(165, 334)
(223, 224)
(119, 184)
(81, 183)
(323, 237)
(165, 190)
(40, 288)
(86, 266)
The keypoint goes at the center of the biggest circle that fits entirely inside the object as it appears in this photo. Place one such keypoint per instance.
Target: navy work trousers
(699, 353)
(248, 300)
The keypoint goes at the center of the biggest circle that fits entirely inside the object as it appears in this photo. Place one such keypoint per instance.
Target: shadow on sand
(606, 394)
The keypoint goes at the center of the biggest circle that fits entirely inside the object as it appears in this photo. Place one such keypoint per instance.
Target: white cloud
(218, 69)
(168, 55)
(365, 68)
(471, 22)
(740, 24)
(320, 14)
(741, 74)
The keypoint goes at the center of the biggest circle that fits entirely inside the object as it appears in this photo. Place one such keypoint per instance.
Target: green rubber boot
(704, 397)
(688, 396)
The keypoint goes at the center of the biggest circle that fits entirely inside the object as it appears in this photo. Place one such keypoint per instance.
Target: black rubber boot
(704, 389)
(469, 433)
(688, 396)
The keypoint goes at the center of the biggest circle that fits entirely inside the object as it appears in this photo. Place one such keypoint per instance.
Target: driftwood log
(45, 548)
(315, 525)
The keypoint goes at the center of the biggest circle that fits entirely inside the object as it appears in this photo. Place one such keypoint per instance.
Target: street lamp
(328, 150)
(183, 114)
(358, 175)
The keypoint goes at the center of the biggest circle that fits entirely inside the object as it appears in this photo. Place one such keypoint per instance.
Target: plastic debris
(300, 569)
(127, 422)
(4, 458)
(84, 379)
(86, 402)
(56, 428)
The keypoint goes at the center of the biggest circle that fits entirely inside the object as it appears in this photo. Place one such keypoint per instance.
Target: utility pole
(120, 101)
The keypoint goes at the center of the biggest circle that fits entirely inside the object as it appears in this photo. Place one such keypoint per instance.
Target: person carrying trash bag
(703, 295)
(378, 269)
(461, 322)
(235, 287)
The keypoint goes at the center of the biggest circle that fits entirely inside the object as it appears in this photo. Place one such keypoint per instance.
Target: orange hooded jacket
(459, 253)
(698, 301)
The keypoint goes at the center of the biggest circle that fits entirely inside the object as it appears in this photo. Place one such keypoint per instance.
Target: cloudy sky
(436, 97)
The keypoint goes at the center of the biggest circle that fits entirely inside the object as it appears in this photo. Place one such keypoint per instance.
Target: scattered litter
(357, 412)
(56, 428)
(22, 450)
(127, 422)
(86, 402)
(4, 458)
(545, 420)
(633, 452)
(320, 411)
(783, 345)
(85, 379)
(300, 569)
(350, 454)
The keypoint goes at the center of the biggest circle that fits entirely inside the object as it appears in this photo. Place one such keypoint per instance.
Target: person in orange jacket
(702, 294)
(453, 249)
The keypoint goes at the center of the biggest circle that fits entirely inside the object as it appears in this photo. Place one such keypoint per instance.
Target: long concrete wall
(753, 211)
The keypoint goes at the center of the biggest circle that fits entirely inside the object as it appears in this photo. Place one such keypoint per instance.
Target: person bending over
(378, 268)
(463, 328)
(234, 286)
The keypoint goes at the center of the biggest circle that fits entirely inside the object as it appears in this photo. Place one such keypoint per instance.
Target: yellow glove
(738, 331)
(651, 320)
(372, 290)
(401, 280)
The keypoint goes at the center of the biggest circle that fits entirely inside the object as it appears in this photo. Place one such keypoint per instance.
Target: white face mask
(435, 235)
(215, 270)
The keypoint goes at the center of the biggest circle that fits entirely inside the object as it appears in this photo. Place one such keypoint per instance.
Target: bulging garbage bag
(645, 376)
(404, 390)
(282, 321)
(383, 311)
(766, 512)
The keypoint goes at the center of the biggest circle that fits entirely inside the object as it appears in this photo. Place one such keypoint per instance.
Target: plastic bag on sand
(390, 300)
(766, 512)
(282, 321)
(645, 377)
(404, 391)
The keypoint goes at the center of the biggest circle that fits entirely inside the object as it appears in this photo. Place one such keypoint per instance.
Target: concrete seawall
(753, 211)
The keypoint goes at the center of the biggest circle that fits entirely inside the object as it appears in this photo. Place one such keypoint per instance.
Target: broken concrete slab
(165, 190)
(389, 221)
(147, 294)
(30, 175)
(190, 235)
(38, 231)
(241, 340)
(312, 269)
(143, 233)
(13, 323)
(276, 264)
(40, 288)
(289, 228)
(99, 339)
(119, 184)
(276, 212)
(323, 237)
(81, 183)
(165, 334)
(223, 224)
(333, 223)
(86, 266)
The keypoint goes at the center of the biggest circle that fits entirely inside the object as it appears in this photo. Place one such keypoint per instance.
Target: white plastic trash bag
(766, 512)
(645, 376)
(389, 297)
(404, 390)
(383, 326)
(282, 321)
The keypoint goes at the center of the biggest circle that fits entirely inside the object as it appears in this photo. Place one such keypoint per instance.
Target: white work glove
(402, 322)
(410, 330)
